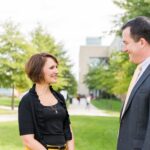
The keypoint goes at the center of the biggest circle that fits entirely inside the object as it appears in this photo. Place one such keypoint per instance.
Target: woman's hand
(31, 143)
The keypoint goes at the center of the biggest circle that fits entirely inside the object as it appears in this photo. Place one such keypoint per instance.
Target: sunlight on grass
(6, 101)
(108, 105)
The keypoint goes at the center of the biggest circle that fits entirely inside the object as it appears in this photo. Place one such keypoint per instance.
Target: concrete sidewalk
(8, 108)
(8, 117)
(4, 118)
(82, 108)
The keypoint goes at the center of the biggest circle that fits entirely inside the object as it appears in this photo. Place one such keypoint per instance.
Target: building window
(96, 61)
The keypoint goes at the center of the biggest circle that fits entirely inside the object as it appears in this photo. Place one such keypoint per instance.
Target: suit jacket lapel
(137, 85)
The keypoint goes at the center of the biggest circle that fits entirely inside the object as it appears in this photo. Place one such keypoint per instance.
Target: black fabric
(51, 122)
(27, 115)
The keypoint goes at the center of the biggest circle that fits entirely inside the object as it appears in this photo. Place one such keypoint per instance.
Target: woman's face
(50, 71)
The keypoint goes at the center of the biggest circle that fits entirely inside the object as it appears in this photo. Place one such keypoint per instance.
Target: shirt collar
(145, 63)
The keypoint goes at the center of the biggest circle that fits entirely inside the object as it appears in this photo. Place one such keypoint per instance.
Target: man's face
(133, 48)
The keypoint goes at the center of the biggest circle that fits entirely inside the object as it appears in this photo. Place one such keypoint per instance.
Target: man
(134, 133)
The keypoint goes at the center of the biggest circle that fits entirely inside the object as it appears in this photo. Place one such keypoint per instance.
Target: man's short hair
(139, 28)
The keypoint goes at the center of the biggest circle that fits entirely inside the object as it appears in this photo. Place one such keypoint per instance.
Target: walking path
(8, 117)
(8, 108)
(75, 108)
(82, 108)
(4, 118)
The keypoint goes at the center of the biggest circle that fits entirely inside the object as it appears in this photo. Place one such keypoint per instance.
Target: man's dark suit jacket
(134, 133)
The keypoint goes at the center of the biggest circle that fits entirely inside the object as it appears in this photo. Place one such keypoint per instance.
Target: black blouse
(49, 124)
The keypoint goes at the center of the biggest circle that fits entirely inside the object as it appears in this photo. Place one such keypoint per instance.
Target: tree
(44, 42)
(132, 8)
(14, 50)
(113, 78)
(98, 77)
(122, 71)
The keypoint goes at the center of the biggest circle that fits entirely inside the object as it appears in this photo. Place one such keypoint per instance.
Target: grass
(6, 112)
(109, 105)
(91, 133)
(6, 101)
(95, 133)
(9, 137)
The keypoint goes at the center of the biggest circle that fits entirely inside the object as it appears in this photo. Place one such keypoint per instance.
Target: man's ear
(143, 42)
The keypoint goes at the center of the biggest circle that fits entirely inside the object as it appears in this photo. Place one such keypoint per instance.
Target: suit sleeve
(25, 118)
(146, 145)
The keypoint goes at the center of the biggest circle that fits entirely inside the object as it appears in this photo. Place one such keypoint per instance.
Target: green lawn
(6, 101)
(6, 112)
(91, 133)
(9, 138)
(95, 133)
(108, 104)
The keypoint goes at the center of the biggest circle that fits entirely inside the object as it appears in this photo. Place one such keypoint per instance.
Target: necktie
(132, 84)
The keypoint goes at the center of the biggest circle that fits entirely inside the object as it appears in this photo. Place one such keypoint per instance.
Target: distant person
(134, 133)
(44, 122)
(78, 98)
(88, 100)
(70, 99)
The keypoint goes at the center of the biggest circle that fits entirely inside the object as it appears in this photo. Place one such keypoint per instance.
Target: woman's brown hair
(34, 66)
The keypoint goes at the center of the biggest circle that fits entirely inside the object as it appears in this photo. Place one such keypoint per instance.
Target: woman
(43, 118)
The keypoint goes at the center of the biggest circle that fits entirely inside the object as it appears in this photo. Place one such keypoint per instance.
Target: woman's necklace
(51, 102)
(43, 94)
(54, 108)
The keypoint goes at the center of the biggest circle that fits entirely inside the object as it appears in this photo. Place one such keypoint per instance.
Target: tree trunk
(13, 97)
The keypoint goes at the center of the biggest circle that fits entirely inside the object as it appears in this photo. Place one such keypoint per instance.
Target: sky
(70, 22)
